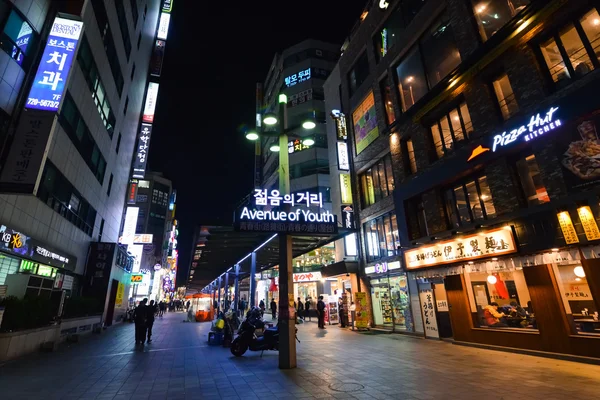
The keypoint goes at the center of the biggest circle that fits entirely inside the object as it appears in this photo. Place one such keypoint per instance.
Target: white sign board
(131, 217)
(428, 312)
(163, 26)
(343, 160)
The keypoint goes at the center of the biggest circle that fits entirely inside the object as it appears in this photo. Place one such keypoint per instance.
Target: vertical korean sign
(141, 156)
(150, 106)
(52, 73)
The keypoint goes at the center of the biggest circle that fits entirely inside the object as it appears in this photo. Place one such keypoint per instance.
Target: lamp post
(287, 322)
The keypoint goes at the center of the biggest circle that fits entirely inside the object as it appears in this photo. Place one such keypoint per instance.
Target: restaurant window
(500, 299)
(408, 153)
(440, 53)
(531, 181)
(412, 84)
(505, 97)
(386, 94)
(382, 237)
(389, 35)
(573, 51)
(359, 73)
(18, 38)
(451, 129)
(491, 15)
(377, 182)
(580, 305)
(469, 202)
(416, 218)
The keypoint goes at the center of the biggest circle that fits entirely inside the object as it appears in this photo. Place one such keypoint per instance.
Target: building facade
(72, 89)
(473, 155)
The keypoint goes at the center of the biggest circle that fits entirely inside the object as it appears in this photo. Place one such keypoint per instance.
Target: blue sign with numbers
(52, 73)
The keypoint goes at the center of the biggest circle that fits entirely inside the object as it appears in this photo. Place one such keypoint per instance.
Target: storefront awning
(222, 247)
(339, 268)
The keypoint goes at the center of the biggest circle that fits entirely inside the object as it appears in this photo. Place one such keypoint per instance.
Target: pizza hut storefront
(547, 300)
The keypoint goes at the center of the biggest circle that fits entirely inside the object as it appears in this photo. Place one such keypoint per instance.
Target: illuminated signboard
(299, 77)
(158, 54)
(22, 43)
(270, 214)
(348, 217)
(132, 194)
(588, 223)
(52, 73)
(144, 238)
(340, 124)
(483, 244)
(137, 278)
(308, 277)
(163, 26)
(384, 4)
(300, 98)
(167, 6)
(296, 145)
(346, 188)
(150, 106)
(137, 251)
(567, 227)
(343, 160)
(131, 216)
(141, 155)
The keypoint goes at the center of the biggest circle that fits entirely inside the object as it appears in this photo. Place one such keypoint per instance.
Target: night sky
(216, 52)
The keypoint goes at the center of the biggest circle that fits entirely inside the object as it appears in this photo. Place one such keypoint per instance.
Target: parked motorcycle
(247, 338)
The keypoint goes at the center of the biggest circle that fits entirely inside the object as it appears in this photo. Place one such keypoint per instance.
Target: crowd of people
(145, 313)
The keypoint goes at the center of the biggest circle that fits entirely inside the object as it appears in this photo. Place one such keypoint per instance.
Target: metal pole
(219, 289)
(236, 288)
(252, 302)
(226, 307)
(287, 319)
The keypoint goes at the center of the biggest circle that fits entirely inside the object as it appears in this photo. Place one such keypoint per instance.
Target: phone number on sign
(43, 103)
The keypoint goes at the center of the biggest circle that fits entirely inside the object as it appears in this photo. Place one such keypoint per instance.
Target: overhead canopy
(222, 247)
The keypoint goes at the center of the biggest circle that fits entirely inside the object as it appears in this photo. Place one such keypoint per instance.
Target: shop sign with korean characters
(297, 213)
(480, 245)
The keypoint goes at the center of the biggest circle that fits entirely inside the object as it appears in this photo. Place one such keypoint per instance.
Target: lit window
(531, 181)
(505, 96)
(409, 153)
(382, 237)
(411, 79)
(492, 15)
(377, 182)
(386, 93)
(469, 202)
(577, 297)
(452, 128)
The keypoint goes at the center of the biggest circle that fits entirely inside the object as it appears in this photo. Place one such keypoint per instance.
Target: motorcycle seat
(271, 331)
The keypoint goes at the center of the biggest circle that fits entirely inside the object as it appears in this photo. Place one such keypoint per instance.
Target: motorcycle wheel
(238, 347)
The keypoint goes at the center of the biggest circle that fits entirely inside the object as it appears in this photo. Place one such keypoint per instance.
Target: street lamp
(251, 135)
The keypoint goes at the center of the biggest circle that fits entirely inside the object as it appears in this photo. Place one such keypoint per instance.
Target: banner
(364, 119)
(428, 312)
(362, 311)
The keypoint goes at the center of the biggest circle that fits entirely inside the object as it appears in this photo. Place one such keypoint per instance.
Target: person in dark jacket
(261, 305)
(300, 309)
(307, 309)
(139, 317)
(321, 312)
(273, 308)
(150, 313)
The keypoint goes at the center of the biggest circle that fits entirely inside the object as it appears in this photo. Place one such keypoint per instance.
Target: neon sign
(537, 126)
(383, 4)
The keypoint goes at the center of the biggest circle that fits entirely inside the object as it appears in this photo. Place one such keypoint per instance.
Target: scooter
(247, 338)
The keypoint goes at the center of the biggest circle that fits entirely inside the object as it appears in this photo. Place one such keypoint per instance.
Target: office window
(101, 231)
(491, 15)
(451, 129)
(408, 153)
(389, 35)
(469, 202)
(505, 96)
(377, 182)
(110, 182)
(92, 77)
(410, 74)
(109, 43)
(416, 218)
(18, 38)
(359, 73)
(382, 238)
(139, 40)
(386, 93)
(132, 71)
(72, 122)
(439, 50)
(531, 181)
(126, 106)
(118, 143)
(573, 51)
(60, 195)
(123, 26)
(134, 11)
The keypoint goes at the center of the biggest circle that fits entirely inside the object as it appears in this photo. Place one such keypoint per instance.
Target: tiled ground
(331, 364)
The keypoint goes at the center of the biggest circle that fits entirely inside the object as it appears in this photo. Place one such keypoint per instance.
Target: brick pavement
(332, 364)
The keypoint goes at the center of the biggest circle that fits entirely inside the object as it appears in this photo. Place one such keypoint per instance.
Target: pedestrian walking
(261, 305)
(161, 308)
(307, 309)
(139, 317)
(300, 309)
(150, 312)
(187, 305)
(273, 308)
(342, 312)
(321, 312)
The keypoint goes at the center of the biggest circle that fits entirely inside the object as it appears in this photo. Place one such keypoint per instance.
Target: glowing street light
(309, 125)
(308, 142)
(252, 135)
(274, 148)
(270, 119)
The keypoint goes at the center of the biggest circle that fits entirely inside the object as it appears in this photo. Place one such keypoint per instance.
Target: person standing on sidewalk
(307, 309)
(150, 313)
(273, 308)
(300, 309)
(139, 317)
(321, 312)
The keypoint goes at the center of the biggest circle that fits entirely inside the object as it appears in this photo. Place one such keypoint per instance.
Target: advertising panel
(158, 54)
(131, 216)
(364, 119)
(150, 106)
(362, 312)
(346, 188)
(348, 217)
(97, 271)
(23, 165)
(53, 71)
(163, 26)
(343, 160)
(428, 313)
(141, 154)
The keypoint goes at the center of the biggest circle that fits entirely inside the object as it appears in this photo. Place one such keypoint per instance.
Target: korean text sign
(480, 245)
(52, 73)
(141, 155)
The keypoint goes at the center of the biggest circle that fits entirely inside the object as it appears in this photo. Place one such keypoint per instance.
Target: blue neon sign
(52, 73)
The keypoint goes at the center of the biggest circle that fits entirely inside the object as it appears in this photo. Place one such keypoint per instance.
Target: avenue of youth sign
(297, 213)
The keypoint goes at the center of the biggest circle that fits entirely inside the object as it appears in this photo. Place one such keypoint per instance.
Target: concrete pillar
(226, 306)
(236, 291)
(287, 319)
(219, 290)
(252, 299)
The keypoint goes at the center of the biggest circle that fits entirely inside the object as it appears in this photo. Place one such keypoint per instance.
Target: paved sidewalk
(332, 364)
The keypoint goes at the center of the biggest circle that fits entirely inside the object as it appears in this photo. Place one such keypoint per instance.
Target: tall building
(73, 83)
(474, 144)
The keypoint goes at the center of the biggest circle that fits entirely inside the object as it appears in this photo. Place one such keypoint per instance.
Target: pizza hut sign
(307, 277)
